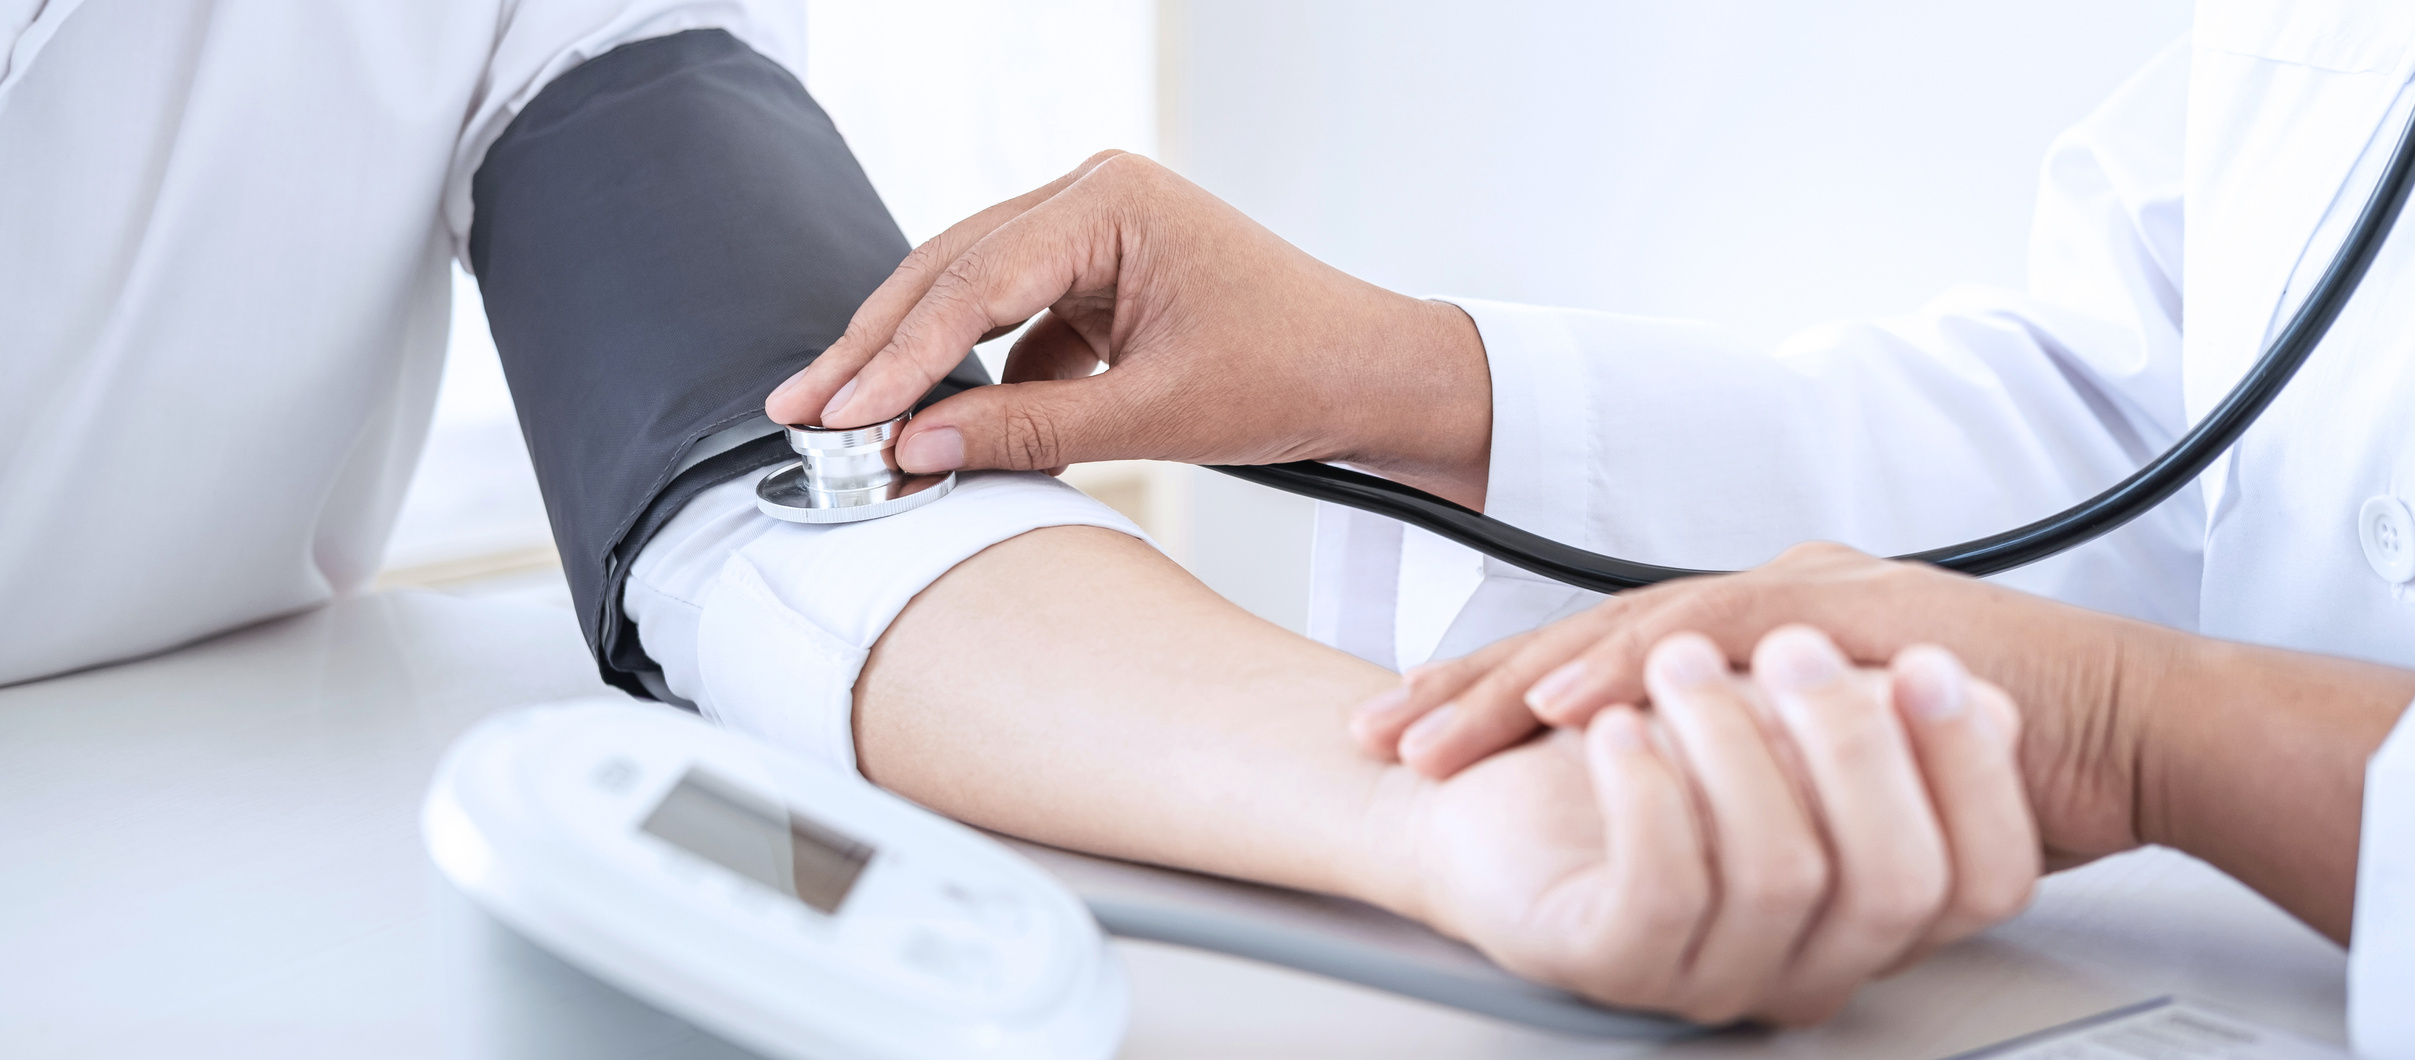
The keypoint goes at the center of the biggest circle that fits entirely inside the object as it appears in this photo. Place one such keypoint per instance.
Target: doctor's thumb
(1012, 426)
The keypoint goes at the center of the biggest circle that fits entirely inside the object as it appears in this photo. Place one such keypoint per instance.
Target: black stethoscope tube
(2083, 522)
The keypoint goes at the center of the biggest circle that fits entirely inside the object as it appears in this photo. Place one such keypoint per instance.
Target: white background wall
(1761, 163)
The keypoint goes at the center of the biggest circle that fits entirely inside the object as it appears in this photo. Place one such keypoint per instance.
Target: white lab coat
(225, 235)
(225, 231)
(2176, 228)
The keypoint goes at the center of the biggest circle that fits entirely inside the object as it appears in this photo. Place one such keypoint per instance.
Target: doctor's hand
(2065, 666)
(1752, 847)
(1223, 345)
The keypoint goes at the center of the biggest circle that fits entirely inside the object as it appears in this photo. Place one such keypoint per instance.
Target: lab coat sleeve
(2381, 955)
(1676, 443)
(764, 625)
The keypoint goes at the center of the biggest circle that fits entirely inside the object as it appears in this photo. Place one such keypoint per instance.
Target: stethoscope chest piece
(846, 476)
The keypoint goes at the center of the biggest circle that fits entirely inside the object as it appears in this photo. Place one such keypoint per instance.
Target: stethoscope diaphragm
(846, 475)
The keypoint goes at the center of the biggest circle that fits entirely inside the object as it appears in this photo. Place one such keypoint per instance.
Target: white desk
(216, 853)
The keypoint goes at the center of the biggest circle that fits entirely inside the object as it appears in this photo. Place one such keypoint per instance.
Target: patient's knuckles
(1663, 901)
(1852, 726)
(1992, 897)
(1888, 911)
(1780, 882)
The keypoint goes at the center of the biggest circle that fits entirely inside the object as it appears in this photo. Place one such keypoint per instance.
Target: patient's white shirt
(764, 625)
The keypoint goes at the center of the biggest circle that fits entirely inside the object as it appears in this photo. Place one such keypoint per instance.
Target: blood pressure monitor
(788, 906)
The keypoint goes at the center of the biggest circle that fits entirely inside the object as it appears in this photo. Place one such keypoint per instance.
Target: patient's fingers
(1772, 872)
(804, 396)
(1888, 852)
(1965, 735)
(1654, 886)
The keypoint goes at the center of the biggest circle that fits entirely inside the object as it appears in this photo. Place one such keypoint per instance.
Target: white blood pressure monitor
(790, 907)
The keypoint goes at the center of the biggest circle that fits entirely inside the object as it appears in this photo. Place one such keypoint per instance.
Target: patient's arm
(1072, 686)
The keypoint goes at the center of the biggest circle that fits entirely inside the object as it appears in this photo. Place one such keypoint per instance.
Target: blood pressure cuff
(661, 236)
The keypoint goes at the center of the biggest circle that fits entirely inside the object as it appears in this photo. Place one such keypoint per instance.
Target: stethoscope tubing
(2152, 484)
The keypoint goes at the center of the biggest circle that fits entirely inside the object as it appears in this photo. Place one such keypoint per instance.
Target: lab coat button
(2388, 534)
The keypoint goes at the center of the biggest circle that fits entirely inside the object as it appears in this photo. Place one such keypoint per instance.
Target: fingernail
(1547, 694)
(1623, 728)
(1377, 708)
(787, 386)
(934, 450)
(1933, 685)
(1428, 730)
(838, 402)
(1684, 662)
(1798, 659)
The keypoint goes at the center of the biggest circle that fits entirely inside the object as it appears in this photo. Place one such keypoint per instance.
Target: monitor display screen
(723, 823)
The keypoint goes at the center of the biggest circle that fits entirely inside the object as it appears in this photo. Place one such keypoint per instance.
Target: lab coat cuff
(1557, 375)
(1543, 459)
(2381, 954)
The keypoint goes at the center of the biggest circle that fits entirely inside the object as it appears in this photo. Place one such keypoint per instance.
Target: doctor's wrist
(1422, 411)
(2253, 759)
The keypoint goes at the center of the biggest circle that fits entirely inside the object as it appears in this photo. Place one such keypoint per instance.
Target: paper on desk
(2163, 1029)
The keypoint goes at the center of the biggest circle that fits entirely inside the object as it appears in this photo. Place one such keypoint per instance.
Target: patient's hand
(1751, 847)
(1074, 687)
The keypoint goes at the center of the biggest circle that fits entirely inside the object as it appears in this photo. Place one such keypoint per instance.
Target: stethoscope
(851, 475)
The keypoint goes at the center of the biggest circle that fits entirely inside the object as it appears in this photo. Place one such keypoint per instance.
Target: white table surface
(215, 852)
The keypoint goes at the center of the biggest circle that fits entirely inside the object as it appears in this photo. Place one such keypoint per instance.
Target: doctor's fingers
(1051, 348)
(1485, 694)
(1070, 243)
(1040, 425)
(807, 395)
(1021, 427)
(1379, 723)
(1871, 607)
(1892, 874)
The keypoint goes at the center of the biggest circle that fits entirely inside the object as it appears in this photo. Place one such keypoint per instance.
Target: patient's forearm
(1074, 687)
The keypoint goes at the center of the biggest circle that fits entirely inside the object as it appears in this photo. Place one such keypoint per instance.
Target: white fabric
(2381, 958)
(2258, 139)
(16, 16)
(764, 625)
(224, 236)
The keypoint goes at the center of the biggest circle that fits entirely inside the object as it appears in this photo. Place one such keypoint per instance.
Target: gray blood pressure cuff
(664, 234)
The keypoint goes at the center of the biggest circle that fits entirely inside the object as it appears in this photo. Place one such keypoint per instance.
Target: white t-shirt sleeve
(2381, 956)
(764, 625)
